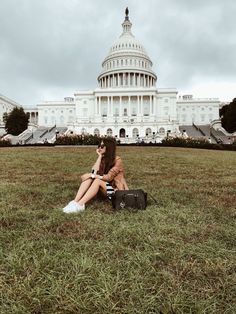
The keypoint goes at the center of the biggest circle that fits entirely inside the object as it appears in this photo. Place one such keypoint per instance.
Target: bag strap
(153, 198)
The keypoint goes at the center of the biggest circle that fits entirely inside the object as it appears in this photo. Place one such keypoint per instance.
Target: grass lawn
(174, 257)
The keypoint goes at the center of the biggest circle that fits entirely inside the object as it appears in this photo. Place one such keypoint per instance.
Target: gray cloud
(52, 48)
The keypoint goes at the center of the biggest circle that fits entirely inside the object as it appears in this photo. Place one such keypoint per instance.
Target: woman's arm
(97, 164)
(113, 172)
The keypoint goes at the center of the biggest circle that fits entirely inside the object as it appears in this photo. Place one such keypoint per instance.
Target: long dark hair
(109, 157)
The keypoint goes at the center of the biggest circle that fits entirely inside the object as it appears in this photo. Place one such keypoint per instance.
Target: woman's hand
(99, 152)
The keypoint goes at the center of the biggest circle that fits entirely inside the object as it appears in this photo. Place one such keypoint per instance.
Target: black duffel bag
(131, 199)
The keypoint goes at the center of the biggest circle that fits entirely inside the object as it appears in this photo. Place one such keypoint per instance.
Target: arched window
(148, 132)
(109, 132)
(122, 132)
(96, 132)
(135, 132)
(162, 131)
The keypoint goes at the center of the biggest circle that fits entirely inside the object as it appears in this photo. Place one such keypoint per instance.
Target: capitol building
(127, 102)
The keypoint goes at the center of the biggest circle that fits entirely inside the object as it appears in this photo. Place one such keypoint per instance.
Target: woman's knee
(85, 177)
(98, 182)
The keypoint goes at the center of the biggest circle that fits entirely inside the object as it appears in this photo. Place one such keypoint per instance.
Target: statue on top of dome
(127, 13)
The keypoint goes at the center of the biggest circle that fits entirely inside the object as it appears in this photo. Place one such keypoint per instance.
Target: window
(85, 112)
(116, 112)
(70, 119)
(166, 109)
(134, 111)
(162, 131)
(109, 132)
(146, 110)
(135, 132)
(96, 132)
(148, 132)
(83, 131)
(125, 112)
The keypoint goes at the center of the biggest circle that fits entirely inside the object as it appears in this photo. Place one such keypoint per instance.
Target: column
(129, 81)
(124, 79)
(151, 105)
(99, 105)
(129, 112)
(118, 79)
(141, 105)
(138, 101)
(96, 106)
(108, 106)
(112, 111)
(120, 108)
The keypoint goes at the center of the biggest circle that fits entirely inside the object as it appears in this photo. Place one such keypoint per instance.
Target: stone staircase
(191, 131)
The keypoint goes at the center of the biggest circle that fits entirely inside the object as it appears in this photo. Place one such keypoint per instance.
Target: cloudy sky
(50, 48)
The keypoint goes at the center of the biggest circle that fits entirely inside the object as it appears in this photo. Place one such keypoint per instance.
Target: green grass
(177, 257)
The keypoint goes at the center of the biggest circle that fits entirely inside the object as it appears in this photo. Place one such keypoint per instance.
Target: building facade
(127, 102)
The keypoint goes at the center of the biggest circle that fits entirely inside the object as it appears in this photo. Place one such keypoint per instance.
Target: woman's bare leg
(93, 190)
(84, 186)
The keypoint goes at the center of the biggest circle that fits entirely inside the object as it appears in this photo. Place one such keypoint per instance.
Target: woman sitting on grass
(107, 176)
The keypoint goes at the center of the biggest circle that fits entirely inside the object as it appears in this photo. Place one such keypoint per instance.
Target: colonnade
(109, 102)
(127, 79)
(33, 116)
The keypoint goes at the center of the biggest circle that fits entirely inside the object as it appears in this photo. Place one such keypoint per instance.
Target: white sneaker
(73, 207)
(80, 207)
(70, 208)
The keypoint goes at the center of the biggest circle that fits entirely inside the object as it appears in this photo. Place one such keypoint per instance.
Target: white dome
(127, 43)
(127, 57)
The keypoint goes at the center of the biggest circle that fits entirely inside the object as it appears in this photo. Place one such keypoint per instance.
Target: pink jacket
(116, 176)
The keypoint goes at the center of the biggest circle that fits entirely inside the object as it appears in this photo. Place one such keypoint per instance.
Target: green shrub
(75, 139)
(5, 142)
(188, 142)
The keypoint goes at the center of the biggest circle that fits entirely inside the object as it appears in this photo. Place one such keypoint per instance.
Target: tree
(228, 117)
(16, 121)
